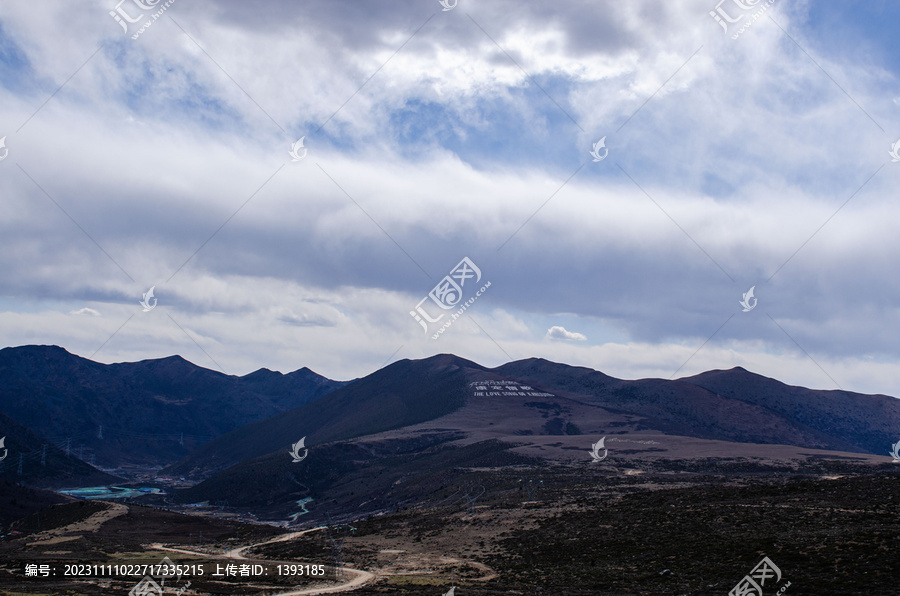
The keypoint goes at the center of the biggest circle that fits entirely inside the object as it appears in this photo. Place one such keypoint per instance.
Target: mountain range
(151, 412)
(731, 405)
(232, 435)
(365, 438)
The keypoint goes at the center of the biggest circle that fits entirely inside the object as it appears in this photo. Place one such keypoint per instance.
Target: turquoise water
(109, 492)
(302, 503)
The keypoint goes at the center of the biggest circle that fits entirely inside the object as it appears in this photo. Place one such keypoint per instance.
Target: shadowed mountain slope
(148, 412)
(401, 394)
(31, 460)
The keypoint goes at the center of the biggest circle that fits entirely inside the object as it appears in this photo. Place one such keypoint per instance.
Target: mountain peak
(262, 373)
(542, 366)
(437, 362)
(450, 360)
(36, 349)
(734, 372)
(171, 359)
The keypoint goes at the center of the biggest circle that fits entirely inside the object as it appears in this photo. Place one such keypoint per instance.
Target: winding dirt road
(358, 577)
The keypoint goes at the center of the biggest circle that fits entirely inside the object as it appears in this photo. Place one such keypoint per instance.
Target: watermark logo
(295, 450)
(298, 151)
(723, 18)
(448, 6)
(894, 152)
(124, 19)
(5, 450)
(595, 152)
(164, 569)
(4, 151)
(752, 584)
(748, 296)
(895, 451)
(448, 294)
(145, 302)
(595, 450)
(146, 587)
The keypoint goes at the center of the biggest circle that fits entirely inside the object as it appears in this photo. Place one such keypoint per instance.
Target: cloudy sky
(160, 156)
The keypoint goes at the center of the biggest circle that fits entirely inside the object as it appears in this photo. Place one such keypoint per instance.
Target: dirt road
(358, 577)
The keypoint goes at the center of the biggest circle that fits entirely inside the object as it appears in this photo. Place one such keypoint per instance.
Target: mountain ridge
(147, 412)
(200, 421)
(563, 400)
(387, 401)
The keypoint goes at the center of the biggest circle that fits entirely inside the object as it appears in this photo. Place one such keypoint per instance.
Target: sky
(343, 184)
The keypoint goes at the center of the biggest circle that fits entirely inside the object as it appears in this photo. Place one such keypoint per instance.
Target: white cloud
(748, 153)
(557, 332)
(85, 311)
